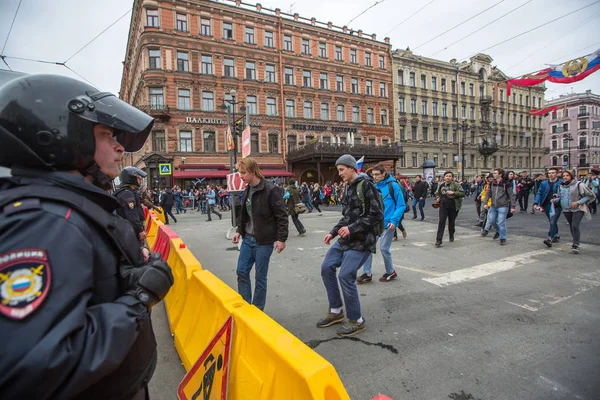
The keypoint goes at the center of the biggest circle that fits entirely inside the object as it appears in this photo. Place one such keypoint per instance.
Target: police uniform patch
(24, 282)
(131, 204)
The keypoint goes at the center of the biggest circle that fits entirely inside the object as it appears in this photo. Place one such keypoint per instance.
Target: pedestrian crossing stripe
(164, 169)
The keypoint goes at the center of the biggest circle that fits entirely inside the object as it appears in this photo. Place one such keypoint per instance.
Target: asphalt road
(470, 320)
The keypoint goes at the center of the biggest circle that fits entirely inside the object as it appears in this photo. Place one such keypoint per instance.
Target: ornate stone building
(302, 81)
(446, 109)
(573, 132)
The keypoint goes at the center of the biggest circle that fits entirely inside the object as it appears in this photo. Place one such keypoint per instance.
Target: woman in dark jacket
(292, 197)
(316, 197)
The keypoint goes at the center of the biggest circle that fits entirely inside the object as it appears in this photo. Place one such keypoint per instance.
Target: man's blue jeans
(385, 242)
(421, 205)
(349, 262)
(553, 220)
(497, 217)
(259, 255)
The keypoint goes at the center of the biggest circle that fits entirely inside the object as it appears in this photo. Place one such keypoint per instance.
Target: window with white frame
(156, 98)
(370, 116)
(355, 114)
(353, 57)
(308, 109)
(290, 108)
(154, 58)
(210, 143)
(181, 22)
(252, 105)
(250, 70)
(228, 67)
(289, 76)
(270, 73)
(249, 37)
(341, 113)
(287, 42)
(339, 83)
(354, 85)
(369, 88)
(324, 111)
(306, 79)
(152, 18)
(305, 46)
(368, 61)
(205, 29)
(271, 106)
(185, 141)
(323, 84)
(383, 116)
(382, 91)
(268, 39)
(401, 106)
(207, 66)
(208, 101)
(322, 50)
(183, 99)
(227, 30)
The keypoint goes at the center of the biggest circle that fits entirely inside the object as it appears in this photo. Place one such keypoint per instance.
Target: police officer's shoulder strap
(104, 220)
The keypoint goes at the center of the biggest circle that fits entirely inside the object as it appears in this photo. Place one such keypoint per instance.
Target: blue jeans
(384, 244)
(497, 217)
(421, 205)
(553, 221)
(250, 254)
(349, 262)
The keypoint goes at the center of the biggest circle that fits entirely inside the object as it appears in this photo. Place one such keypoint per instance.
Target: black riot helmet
(129, 176)
(47, 122)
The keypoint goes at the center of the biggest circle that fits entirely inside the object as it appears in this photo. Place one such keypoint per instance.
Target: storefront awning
(200, 174)
(269, 173)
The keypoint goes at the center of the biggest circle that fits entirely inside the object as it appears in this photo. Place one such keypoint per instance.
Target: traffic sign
(209, 376)
(565, 164)
(165, 169)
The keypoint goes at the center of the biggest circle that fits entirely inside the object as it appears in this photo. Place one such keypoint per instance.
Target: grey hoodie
(502, 195)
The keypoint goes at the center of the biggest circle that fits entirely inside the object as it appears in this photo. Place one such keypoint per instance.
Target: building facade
(303, 83)
(450, 111)
(573, 132)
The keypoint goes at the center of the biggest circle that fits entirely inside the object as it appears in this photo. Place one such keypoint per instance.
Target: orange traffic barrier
(163, 239)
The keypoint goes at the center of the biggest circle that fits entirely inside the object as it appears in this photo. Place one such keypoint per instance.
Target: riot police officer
(130, 206)
(75, 295)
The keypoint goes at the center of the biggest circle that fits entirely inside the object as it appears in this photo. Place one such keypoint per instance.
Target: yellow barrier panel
(160, 213)
(183, 265)
(208, 304)
(267, 361)
(153, 231)
(270, 363)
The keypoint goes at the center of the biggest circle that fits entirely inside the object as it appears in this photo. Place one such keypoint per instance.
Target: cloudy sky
(50, 30)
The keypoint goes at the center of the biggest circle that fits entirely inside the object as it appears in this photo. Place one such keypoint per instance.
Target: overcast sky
(53, 30)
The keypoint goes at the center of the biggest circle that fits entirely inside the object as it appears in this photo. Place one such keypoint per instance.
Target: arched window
(582, 159)
(554, 161)
(566, 159)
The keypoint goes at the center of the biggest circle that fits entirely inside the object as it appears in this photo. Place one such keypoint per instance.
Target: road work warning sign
(209, 376)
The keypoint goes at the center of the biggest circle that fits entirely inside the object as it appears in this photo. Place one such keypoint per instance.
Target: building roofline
(312, 22)
(572, 97)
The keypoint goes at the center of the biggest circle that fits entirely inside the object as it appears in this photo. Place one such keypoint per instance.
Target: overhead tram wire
(554, 40)
(531, 30)
(10, 29)
(98, 35)
(364, 11)
(409, 17)
(485, 26)
(456, 26)
(377, 2)
(4, 61)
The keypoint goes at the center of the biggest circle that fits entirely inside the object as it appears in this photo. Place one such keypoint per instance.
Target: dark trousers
(478, 208)
(574, 219)
(169, 211)
(523, 199)
(450, 214)
(211, 209)
(298, 224)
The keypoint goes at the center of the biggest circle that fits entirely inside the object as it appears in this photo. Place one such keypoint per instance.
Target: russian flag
(359, 163)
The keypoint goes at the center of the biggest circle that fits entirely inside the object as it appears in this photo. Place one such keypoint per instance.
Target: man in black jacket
(263, 226)
(167, 200)
(130, 204)
(75, 294)
(524, 185)
(362, 212)
(420, 191)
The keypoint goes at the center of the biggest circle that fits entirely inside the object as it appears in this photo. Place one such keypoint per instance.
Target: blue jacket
(211, 196)
(544, 189)
(393, 207)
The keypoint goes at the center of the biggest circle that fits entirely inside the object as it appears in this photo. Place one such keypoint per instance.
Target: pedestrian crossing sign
(164, 169)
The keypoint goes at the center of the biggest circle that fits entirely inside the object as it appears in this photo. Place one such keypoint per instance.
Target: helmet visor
(131, 125)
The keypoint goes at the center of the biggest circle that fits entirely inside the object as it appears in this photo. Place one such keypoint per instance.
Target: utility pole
(232, 121)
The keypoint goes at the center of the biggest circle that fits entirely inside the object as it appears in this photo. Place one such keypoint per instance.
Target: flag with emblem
(571, 71)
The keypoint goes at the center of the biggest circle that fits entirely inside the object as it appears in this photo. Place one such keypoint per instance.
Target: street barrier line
(490, 268)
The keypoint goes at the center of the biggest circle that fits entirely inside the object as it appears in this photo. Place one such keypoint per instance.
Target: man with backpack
(358, 228)
(393, 209)
(503, 197)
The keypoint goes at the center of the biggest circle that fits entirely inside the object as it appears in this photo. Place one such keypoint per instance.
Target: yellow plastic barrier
(183, 265)
(267, 361)
(152, 231)
(160, 213)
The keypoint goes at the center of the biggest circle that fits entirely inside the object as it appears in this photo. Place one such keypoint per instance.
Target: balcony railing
(156, 111)
(332, 151)
(583, 114)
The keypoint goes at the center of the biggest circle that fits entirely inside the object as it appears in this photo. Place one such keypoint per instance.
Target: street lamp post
(529, 135)
(464, 127)
(231, 122)
(569, 140)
